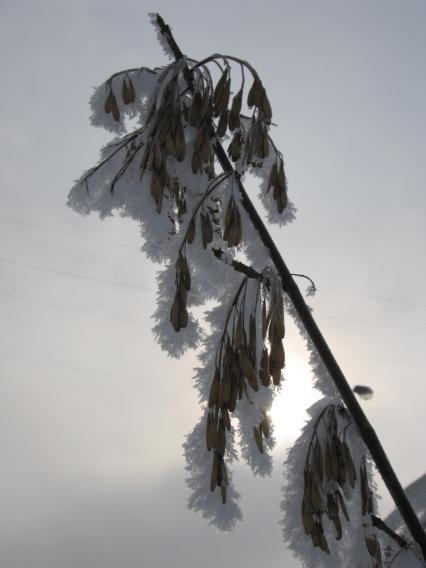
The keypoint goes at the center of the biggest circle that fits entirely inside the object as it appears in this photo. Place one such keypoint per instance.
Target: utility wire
(37, 361)
(65, 232)
(373, 297)
(372, 323)
(70, 274)
(78, 311)
(126, 245)
(43, 303)
(70, 367)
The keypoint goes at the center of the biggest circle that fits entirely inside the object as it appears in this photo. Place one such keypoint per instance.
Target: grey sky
(92, 413)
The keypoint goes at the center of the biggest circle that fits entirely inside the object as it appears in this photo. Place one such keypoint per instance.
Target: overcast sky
(92, 414)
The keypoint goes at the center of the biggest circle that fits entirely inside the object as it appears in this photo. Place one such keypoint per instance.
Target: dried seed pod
(276, 356)
(223, 493)
(225, 390)
(221, 439)
(214, 389)
(282, 201)
(234, 148)
(211, 432)
(253, 338)
(125, 92)
(179, 141)
(260, 140)
(114, 109)
(190, 235)
(258, 438)
(254, 97)
(276, 375)
(273, 176)
(318, 463)
(196, 163)
(156, 191)
(315, 496)
(282, 181)
(349, 464)
(372, 544)
(196, 109)
(226, 419)
(169, 144)
(174, 314)
(239, 332)
(184, 273)
(222, 124)
(247, 369)
(232, 230)
(222, 103)
(205, 148)
(307, 520)
(214, 473)
(266, 106)
(234, 115)
(199, 138)
(108, 101)
(183, 316)
(219, 87)
(265, 427)
(157, 155)
(131, 91)
(264, 369)
(342, 504)
(223, 474)
(323, 543)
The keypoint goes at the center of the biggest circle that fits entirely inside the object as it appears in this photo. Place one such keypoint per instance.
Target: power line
(373, 323)
(381, 360)
(70, 274)
(65, 232)
(126, 245)
(72, 310)
(67, 366)
(373, 297)
(70, 367)
(95, 315)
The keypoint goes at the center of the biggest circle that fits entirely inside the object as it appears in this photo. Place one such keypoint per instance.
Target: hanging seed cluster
(238, 371)
(166, 139)
(278, 183)
(329, 469)
(232, 230)
(199, 115)
(328, 474)
(174, 108)
(128, 95)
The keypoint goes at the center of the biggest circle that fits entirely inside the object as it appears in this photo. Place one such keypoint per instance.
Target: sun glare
(288, 411)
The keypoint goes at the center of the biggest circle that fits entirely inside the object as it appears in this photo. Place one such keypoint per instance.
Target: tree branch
(238, 266)
(289, 285)
(378, 523)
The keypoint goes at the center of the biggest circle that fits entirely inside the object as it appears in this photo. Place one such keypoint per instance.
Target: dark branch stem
(307, 278)
(289, 285)
(378, 523)
(239, 266)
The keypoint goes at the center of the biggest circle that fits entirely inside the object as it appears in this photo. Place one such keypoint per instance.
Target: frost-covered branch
(173, 176)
